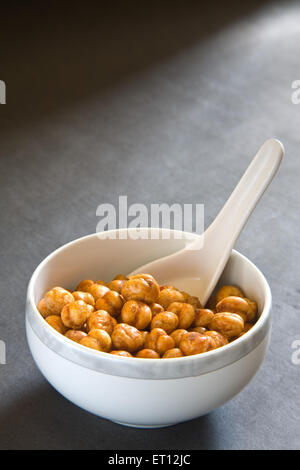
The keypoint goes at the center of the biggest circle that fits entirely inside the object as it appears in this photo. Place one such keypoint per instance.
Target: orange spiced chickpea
(247, 327)
(228, 324)
(185, 313)
(203, 317)
(198, 329)
(84, 285)
(159, 340)
(227, 291)
(103, 338)
(177, 336)
(218, 340)
(169, 295)
(90, 342)
(85, 296)
(127, 337)
(168, 321)
(57, 298)
(56, 323)
(141, 287)
(211, 303)
(156, 308)
(120, 277)
(112, 302)
(174, 352)
(116, 285)
(136, 313)
(75, 314)
(75, 335)
(252, 312)
(121, 353)
(234, 305)
(147, 354)
(101, 320)
(43, 309)
(144, 336)
(97, 291)
(192, 300)
(194, 343)
(101, 282)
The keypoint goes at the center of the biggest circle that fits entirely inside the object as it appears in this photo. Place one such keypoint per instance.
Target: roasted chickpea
(57, 298)
(75, 335)
(144, 336)
(56, 323)
(174, 352)
(198, 329)
(194, 343)
(75, 314)
(90, 342)
(120, 277)
(235, 305)
(247, 327)
(84, 285)
(169, 286)
(193, 300)
(102, 337)
(136, 313)
(127, 337)
(112, 302)
(147, 354)
(211, 303)
(116, 285)
(43, 309)
(203, 316)
(252, 312)
(141, 287)
(85, 296)
(156, 308)
(218, 340)
(97, 291)
(101, 320)
(228, 291)
(185, 313)
(168, 321)
(228, 324)
(101, 283)
(121, 353)
(177, 336)
(159, 340)
(170, 295)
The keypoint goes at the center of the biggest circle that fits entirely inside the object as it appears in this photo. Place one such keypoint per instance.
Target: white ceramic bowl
(141, 392)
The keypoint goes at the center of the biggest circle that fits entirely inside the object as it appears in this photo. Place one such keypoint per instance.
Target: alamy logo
(181, 217)
(2, 92)
(296, 354)
(2, 352)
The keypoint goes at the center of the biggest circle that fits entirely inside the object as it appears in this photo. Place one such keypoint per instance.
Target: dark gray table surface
(165, 102)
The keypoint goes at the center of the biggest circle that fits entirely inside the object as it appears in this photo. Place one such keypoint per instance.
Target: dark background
(163, 102)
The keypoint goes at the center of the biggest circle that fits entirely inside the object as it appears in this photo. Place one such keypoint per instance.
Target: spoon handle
(233, 216)
(221, 235)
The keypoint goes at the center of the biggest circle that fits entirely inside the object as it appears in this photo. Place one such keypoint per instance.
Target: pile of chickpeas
(135, 317)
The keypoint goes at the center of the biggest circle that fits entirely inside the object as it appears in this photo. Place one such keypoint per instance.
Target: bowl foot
(144, 426)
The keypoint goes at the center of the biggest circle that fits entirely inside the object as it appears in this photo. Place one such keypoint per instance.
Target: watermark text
(2, 352)
(138, 217)
(2, 92)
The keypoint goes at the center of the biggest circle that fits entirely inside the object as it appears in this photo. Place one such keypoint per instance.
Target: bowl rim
(142, 368)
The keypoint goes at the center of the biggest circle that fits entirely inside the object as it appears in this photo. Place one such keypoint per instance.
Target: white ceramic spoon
(198, 267)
